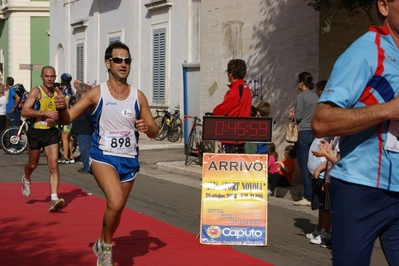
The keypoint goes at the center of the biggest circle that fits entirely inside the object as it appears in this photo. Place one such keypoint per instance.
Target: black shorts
(39, 138)
(320, 199)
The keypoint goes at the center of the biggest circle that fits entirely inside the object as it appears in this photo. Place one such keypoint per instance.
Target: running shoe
(302, 202)
(61, 160)
(319, 239)
(97, 248)
(325, 243)
(313, 235)
(72, 160)
(25, 187)
(55, 205)
(104, 254)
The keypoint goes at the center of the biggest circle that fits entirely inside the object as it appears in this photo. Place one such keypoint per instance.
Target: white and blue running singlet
(115, 138)
(367, 74)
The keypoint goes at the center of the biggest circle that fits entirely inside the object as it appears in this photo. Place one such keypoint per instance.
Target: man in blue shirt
(13, 113)
(360, 103)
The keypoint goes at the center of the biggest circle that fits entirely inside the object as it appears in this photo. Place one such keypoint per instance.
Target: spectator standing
(361, 104)
(83, 127)
(76, 87)
(13, 113)
(2, 108)
(317, 165)
(237, 100)
(305, 106)
(120, 113)
(43, 133)
(329, 151)
(12, 100)
(70, 99)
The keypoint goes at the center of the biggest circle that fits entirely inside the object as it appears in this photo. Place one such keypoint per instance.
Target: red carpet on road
(30, 235)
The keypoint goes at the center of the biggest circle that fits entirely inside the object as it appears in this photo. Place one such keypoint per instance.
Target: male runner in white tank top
(120, 112)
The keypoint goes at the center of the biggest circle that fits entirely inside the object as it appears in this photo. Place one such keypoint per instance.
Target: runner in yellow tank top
(40, 106)
(45, 103)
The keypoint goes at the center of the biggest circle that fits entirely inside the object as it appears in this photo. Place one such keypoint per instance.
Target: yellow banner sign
(234, 199)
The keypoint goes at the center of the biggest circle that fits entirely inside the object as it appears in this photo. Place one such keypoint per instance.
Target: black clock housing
(237, 128)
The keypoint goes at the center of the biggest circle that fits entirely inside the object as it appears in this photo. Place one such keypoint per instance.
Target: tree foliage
(330, 7)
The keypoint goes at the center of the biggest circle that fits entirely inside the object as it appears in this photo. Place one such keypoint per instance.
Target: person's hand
(319, 153)
(291, 114)
(316, 174)
(326, 147)
(59, 100)
(51, 116)
(142, 126)
(51, 121)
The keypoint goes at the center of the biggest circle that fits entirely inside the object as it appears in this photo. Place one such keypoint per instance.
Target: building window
(159, 61)
(114, 39)
(80, 61)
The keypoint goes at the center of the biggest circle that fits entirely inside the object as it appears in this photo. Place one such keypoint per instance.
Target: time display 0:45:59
(237, 128)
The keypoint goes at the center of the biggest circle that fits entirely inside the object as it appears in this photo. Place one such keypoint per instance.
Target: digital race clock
(237, 128)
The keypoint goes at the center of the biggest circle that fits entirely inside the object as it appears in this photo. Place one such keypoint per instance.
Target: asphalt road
(175, 199)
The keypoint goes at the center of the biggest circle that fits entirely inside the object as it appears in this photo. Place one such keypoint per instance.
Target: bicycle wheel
(175, 130)
(163, 128)
(13, 144)
(189, 146)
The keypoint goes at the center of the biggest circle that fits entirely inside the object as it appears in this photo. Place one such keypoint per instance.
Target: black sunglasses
(118, 60)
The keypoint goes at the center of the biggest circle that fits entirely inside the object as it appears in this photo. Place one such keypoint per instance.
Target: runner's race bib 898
(120, 141)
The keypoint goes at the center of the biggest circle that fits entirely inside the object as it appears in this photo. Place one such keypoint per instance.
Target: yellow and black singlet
(45, 103)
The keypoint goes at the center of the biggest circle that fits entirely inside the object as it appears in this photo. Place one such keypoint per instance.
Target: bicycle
(14, 139)
(169, 125)
(161, 120)
(194, 145)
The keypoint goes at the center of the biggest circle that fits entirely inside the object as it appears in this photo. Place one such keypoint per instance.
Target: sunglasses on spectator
(118, 60)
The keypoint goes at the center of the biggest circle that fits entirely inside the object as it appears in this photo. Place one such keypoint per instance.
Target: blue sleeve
(351, 74)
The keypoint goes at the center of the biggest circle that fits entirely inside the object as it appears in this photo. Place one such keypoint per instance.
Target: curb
(191, 170)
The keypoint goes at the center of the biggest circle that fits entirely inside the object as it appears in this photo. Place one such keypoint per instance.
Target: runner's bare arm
(28, 110)
(68, 115)
(146, 123)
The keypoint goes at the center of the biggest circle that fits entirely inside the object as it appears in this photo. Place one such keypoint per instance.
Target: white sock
(54, 197)
(107, 246)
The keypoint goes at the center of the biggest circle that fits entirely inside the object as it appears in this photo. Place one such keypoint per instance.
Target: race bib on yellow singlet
(120, 141)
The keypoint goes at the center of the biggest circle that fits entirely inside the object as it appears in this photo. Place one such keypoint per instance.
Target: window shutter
(80, 61)
(159, 61)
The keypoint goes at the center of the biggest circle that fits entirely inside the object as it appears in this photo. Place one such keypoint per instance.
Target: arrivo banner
(234, 199)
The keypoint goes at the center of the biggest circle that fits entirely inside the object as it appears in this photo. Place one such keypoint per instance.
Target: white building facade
(180, 48)
(160, 37)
